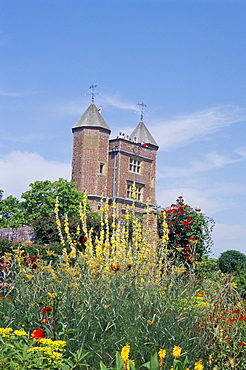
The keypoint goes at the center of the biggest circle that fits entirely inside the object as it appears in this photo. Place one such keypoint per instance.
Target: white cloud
(117, 103)
(72, 107)
(204, 199)
(19, 169)
(23, 139)
(241, 151)
(20, 94)
(229, 237)
(191, 127)
(78, 106)
(210, 161)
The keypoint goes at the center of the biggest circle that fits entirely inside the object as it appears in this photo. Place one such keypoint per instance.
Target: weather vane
(92, 93)
(142, 106)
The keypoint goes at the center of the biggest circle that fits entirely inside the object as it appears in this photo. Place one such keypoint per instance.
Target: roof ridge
(143, 135)
(91, 118)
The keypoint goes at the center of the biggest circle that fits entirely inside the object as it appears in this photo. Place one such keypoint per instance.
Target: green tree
(189, 231)
(40, 200)
(11, 213)
(232, 261)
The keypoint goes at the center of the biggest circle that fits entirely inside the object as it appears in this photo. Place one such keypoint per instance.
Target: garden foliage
(38, 202)
(189, 231)
(112, 293)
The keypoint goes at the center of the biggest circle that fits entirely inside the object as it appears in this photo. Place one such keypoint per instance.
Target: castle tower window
(152, 182)
(102, 168)
(134, 188)
(135, 165)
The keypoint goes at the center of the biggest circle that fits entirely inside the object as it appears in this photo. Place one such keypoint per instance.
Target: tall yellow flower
(162, 354)
(198, 365)
(176, 351)
(125, 353)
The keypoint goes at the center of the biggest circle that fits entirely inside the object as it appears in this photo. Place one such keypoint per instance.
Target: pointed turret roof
(91, 118)
(143, 135)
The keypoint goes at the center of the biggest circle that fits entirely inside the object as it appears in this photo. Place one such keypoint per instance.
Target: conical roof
(143, 135)
(91, 118)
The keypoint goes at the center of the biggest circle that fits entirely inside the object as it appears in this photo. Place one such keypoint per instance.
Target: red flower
(30, 261)
(192, 240)
(241, 344)
(115, 268)
(46, 309)
(38, 334)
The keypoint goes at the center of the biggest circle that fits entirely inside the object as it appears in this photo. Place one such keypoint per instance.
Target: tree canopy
(39, 202)
(232, 261)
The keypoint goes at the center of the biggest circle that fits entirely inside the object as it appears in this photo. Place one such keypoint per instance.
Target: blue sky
(185, 59)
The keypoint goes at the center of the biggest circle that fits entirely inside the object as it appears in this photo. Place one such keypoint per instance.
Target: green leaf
(119, 362)
(154, 363)
(147, 364)
(186, 362)
(132, 366)
(59, 328)
(102, 366)
(177, 365)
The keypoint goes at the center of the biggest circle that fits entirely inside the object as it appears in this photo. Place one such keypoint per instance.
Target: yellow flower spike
(198, 365)
(52, 295)
(5, 332)
(162, 354)
(58, 222)
(176, 350)
(20, 333)
(125, 353)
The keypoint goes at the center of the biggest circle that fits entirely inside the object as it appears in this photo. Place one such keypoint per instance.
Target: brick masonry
(18, 234)
(101, 167)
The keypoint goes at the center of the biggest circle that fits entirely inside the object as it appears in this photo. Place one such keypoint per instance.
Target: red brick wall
(18, 234)
(127, 150)
(90, 148)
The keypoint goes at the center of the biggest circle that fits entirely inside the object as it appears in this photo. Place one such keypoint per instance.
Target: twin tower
(113, 168)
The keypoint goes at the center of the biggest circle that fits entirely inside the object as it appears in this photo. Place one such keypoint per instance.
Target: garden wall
(18, 234)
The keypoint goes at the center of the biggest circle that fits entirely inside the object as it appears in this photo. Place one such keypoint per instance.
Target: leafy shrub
(232, 261)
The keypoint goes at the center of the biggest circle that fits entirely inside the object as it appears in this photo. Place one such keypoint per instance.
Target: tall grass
(124, 290)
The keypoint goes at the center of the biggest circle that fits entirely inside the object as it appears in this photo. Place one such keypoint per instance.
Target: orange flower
(46, 309)
(192, 240)
(115, 268)
(38, 334)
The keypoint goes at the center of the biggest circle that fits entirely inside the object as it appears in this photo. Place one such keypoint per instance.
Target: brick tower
(90, 154)
(110, 167)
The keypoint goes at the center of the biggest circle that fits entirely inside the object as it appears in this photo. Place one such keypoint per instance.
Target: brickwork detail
(105, 167)
(18, 234)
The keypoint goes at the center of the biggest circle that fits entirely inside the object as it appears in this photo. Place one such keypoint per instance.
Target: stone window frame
(138, 191)
(102, 168)
(135, 165)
